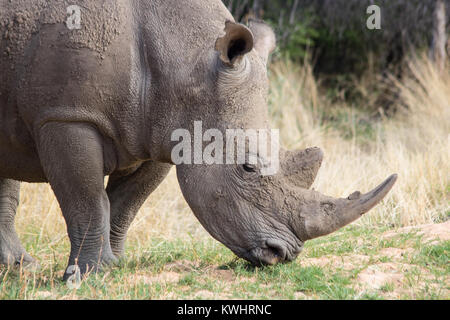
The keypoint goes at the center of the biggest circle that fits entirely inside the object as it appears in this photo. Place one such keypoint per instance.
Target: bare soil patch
(163, 277)
(173, 272)
(205, 294)
(223, 275)
(390, 278)
(346, 262)
(431, 232)
(181, 266)
(377, 275)
(394, 253)
(213, 271)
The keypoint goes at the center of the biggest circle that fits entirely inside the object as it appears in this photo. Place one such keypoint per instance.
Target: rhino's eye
(249, 168)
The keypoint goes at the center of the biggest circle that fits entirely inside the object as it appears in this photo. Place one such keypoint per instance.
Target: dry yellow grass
(415, 144)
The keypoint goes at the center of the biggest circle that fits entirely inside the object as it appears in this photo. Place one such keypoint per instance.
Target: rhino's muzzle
(274, 251)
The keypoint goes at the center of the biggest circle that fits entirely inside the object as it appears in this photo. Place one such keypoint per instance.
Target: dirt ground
(383, 272)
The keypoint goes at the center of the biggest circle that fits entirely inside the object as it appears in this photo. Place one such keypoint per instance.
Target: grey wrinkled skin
(78, 105)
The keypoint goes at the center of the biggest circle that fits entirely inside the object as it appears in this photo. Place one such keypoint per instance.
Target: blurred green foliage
(334, 32)
(334, 37)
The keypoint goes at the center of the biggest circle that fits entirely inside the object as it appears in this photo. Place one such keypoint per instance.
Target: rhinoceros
(95, 88)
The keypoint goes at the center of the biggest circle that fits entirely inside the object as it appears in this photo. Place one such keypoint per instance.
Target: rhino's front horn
(320, 215)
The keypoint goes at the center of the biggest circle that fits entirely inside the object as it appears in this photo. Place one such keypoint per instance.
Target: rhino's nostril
(272, 252)
(277, 248)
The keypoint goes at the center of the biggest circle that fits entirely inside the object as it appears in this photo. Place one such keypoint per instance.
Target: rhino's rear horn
(301, 167)
(237, 41)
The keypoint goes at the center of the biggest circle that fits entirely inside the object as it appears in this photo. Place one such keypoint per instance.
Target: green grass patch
(189, 269)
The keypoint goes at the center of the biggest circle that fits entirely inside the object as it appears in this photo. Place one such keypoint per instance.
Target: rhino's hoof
(21, 261)
(73, 277)
(30, 266)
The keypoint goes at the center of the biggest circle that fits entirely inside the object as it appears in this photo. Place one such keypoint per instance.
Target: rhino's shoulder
(101, 21)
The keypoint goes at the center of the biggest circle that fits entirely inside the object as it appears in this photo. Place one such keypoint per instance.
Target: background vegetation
(335, 85)
(333, 35)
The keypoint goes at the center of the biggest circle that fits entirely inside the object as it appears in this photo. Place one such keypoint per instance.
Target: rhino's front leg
(72, 157)
(127, 192)
(11, 250)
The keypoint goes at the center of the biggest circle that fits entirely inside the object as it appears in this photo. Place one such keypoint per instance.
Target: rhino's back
(101, 64)
(53, 72)
(21, 19)
(40, 50)
(126, 56)
(51, 66)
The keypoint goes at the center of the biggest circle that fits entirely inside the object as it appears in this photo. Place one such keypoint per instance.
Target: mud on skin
(77, 105)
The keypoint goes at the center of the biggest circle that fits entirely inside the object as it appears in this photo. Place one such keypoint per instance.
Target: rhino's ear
(264, 38)
(237, 41)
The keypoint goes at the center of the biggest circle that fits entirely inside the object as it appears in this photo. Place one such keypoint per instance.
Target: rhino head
(262, 218)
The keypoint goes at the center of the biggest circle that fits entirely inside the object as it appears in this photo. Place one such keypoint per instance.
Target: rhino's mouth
(272, 252)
